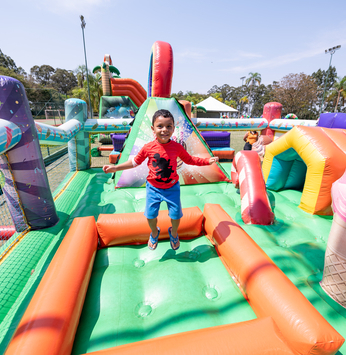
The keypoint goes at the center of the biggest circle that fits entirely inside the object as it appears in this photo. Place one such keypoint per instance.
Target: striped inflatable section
(246, 174)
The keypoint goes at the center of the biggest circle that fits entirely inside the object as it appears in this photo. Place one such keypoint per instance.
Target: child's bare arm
(114, 168)
(213, 160)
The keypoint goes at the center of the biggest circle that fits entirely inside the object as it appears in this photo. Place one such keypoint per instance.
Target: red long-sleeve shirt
(162, 162)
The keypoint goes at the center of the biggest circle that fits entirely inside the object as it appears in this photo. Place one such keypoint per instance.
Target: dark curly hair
(163, 113)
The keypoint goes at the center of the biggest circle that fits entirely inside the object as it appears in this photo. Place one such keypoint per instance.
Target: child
(163, 181)
(250, 138)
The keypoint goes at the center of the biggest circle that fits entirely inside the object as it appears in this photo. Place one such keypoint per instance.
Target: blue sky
(214, 42)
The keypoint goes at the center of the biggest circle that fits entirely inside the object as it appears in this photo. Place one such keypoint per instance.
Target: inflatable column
(78, 147)
(271, 111)
(25, 160)
(334, 274)
(187, 107)
(247, 175)
(160, 70)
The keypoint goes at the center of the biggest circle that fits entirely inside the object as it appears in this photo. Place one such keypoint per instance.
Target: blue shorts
(155, 196)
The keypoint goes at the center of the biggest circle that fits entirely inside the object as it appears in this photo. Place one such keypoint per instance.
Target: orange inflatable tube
(50, 322)
(287, 323)
(259, 336)
(130, 88)
(133, 228)
(269, 291)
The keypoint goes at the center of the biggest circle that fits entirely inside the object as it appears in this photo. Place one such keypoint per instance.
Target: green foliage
(231, 103)
(64, 80)
(95, 91)
(15, 75)
(320, 77)
(190, 96)
(222, 92)
(7, 62)
(261, 95)
(338, 93)
(42, 74)
(80, 72)
(298, 94)
(45, 85)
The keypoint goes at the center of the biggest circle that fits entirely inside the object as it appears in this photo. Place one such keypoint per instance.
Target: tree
(251, 81)
(217, 96)
(8, 62)
(15, 75)
(320, 77)
(243, 100)
(224, 92)
(42, 75)
(64, 80)
(232, 103)
(262, 94)
(81, 75)
(189, 96)
(338, 92)
(95, 92)
(298, 94)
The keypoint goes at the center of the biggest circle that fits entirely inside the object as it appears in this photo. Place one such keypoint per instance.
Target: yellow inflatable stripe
(313, 159)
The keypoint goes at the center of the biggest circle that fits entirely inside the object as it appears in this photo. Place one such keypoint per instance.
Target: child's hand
(213, 160)
(109, 169)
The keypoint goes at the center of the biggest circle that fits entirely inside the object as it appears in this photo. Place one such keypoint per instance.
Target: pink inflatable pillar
(271, 111)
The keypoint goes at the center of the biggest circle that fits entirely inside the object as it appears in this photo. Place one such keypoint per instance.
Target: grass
(237, 142)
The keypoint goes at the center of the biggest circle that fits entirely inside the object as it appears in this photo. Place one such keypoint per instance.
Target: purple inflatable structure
(216, 138)
(332, 120)
(25, 159)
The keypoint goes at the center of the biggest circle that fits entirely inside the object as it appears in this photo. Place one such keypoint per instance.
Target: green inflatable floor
(137, 294)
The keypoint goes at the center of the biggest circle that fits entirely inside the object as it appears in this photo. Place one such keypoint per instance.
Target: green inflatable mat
(137, 294)
(296, 242)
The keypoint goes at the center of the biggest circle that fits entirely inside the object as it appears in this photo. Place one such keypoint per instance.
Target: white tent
(211, 104)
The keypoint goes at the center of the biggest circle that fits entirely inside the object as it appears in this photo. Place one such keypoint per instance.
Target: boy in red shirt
(163, 180)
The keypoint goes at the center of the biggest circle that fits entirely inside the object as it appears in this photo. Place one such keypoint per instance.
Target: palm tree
(338, 92)
(251, 81)
(95, 92)
(81, 75)
(244, 100)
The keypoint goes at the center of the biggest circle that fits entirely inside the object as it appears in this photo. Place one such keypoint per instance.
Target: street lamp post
(331, 51)
(83, 23)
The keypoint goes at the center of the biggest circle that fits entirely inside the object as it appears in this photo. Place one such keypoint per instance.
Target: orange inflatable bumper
(287, 322)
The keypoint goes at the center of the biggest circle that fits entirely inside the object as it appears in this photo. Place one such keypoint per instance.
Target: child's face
(163, 129)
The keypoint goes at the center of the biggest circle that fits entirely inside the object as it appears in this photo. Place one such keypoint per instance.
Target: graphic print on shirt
(163, 169)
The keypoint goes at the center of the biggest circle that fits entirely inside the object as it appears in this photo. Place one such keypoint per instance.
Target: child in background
(163, 181)
(250, 138)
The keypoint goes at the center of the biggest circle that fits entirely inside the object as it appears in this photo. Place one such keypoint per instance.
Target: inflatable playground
(261, 268)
